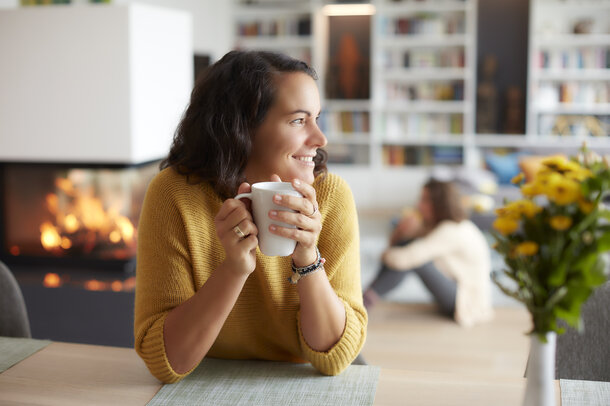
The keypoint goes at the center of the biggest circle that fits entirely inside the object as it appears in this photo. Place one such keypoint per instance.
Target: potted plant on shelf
(552, 240)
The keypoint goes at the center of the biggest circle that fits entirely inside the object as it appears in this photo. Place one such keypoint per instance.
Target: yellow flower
(561, 223)
(579, 174)
(531, 189)
(556, 162)
(505, 225)
(585, 206)
(563, 191)
(518, 178)
(527, 248)
(524, 207)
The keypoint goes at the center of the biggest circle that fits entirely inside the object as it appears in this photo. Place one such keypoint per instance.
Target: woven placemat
(266, 383)
(590, 393)
(14, 350)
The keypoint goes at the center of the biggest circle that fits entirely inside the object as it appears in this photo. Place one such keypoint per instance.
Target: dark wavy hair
(446, 201)
(230, 100)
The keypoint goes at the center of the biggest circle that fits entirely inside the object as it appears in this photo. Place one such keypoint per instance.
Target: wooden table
(78, 374)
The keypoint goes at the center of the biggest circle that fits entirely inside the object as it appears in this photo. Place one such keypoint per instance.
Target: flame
(49, 237)
(15, 250)
(71, 223)
(82, 220)
(51, 280)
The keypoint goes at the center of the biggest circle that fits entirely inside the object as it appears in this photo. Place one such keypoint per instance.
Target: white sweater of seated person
(461, 252)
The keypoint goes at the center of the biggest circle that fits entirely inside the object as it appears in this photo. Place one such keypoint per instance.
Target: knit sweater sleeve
(163, 278)
(339, 244)
(444, 239)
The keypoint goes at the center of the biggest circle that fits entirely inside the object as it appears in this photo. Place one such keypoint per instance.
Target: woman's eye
(299, 121)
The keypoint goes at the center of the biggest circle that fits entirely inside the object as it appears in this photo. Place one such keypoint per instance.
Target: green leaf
(558, 273)
(603, 243)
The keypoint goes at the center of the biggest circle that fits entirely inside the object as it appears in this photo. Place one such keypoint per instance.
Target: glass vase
(540, 372)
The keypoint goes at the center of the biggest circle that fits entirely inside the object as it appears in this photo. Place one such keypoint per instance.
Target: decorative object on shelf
(514, 113)
(487, 97)
(349, 50)
(552, 241)
(569, 66)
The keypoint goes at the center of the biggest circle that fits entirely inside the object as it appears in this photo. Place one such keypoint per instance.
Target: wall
(212, 23)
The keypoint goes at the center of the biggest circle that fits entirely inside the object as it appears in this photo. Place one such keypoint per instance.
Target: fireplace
(71, 214)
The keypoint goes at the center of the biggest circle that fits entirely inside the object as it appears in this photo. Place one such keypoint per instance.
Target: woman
(448, 253)
(203, 289)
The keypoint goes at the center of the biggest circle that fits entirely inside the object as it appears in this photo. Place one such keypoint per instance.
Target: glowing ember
(14, 250)
(51, 280)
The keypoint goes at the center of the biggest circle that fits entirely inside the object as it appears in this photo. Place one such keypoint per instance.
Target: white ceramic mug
(262, 202)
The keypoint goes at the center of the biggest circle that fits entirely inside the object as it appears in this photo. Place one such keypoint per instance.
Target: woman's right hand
(240, 252)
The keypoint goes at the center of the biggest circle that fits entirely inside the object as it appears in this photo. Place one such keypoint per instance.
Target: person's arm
(441, 240)
(332, 319)
(176, 326)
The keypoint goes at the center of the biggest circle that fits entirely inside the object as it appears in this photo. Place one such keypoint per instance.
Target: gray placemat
(590, 393)
(265, 383)
(14, 350)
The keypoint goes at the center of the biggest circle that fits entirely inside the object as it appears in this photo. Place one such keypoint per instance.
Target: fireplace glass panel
(60, 211)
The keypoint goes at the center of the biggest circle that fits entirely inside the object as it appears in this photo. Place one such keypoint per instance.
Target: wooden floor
(413, 337)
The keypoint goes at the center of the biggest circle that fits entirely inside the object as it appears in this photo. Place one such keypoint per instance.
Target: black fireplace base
(70, 313)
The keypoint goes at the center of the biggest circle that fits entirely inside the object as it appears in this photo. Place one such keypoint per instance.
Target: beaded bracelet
(300, 272)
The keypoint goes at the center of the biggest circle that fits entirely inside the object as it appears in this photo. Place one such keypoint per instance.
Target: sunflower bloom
(527, 248)
(561, 223)
(505, 225)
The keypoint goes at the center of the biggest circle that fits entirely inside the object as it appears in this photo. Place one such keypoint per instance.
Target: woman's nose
(317, 137)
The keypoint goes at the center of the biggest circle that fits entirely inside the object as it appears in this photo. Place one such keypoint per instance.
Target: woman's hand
(306, 218)
(240, 251)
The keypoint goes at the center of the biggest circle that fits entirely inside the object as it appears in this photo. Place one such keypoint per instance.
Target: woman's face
(425, 207)
(287, 140)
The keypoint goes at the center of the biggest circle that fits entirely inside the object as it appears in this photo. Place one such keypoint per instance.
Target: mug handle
(243, 195)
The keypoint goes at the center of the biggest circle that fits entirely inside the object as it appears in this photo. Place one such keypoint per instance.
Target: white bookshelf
(568, 72)
(424, 78)
(281, 26)
(357, 146)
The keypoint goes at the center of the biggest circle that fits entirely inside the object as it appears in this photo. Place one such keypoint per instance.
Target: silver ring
(238, 231)
(315, 210)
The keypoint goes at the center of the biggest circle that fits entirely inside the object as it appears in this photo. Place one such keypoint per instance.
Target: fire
(82, 220)
(49, 236)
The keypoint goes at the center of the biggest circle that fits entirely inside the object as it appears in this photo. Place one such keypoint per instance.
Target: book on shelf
(425, 58)
(275, 27)
(400, 155)
(423, 23)
(403, 126)
(439, 90)
(345, 121)
(577, 58)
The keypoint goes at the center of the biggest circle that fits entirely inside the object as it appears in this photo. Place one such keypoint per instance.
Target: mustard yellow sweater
(178, 250)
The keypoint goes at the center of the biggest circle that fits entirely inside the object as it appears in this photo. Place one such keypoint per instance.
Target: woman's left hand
(306, 217)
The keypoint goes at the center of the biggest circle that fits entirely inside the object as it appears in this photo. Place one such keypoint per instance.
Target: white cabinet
(569, 70)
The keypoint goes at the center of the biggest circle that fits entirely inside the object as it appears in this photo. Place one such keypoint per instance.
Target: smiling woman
(203, 287)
